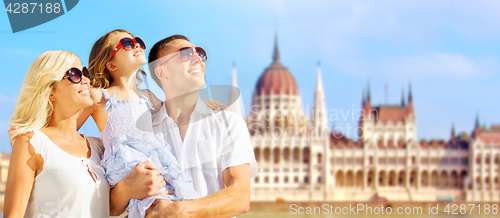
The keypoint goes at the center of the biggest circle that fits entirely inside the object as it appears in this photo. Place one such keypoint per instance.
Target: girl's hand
(142, 182)
(145, 181)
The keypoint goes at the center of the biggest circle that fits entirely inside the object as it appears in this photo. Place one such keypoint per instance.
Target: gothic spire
(478, 125)
(453, 134)
(403, 98)
(368, 95)
(319, 81)
(410, 96)
(363, 101)
(276, 53)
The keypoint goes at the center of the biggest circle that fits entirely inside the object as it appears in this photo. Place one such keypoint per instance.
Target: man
(214, 150)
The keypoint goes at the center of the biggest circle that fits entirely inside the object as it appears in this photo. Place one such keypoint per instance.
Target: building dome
(276, 79)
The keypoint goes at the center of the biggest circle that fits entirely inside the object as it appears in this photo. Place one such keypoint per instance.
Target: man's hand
(168, 209)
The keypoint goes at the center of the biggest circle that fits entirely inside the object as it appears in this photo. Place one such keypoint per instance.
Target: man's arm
(228, 202)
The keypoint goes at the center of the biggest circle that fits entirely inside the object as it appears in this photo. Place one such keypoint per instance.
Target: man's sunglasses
(128, 44)
(74, 74)
(186, 53)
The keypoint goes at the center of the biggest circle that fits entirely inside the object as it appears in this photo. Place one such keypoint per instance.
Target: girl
(123, 115)
(53, 170)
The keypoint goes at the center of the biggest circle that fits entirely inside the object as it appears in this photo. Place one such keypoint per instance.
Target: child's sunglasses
(185, 54)
(74, 74)
(128, 44)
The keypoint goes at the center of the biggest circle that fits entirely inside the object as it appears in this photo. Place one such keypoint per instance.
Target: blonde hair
(33, 108)
(100, 77)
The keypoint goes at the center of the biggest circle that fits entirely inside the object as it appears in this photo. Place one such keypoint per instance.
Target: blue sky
(449, 50)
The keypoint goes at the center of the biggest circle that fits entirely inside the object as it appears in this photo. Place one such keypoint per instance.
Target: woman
(53, 170)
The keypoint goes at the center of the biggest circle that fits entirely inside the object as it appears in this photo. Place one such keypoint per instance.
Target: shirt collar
(200, 108)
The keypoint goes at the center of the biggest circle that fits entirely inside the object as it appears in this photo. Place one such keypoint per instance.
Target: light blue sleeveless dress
(128, 139)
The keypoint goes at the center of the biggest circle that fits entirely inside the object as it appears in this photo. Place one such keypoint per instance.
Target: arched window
(306, 154)
(286, 154)
(296, 155)
(276, 155)
(256, 151)
(267, 154)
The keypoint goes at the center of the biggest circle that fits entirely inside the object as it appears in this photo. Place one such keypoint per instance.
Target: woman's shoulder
(31, 143)
(23, 139)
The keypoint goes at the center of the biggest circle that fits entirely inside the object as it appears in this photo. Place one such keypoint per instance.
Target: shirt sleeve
(237, 147)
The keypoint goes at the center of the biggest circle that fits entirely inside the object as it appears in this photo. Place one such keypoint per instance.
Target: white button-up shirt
(214, 141)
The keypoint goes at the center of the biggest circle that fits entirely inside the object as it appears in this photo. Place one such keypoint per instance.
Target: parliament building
(300, 159)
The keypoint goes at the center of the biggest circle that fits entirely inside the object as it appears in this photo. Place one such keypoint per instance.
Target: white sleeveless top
(68, 186)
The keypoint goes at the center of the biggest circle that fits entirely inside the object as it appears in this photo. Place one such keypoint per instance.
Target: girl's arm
(153, 99)
(96, 110)
(24, 165)
(84, 116)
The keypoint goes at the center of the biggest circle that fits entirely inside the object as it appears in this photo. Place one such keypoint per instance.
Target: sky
(448, 50)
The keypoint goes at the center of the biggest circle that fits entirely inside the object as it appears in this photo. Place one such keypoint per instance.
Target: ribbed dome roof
(276, 78)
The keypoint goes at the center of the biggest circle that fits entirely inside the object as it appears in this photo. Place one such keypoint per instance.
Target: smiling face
(180, 76)
(72, 95)
(124, 59)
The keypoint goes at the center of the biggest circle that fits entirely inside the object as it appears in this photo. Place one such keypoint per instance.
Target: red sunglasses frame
(120, 45)
(193, 48)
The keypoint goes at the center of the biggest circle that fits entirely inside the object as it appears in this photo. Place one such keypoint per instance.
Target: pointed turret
(363, 100)
(234, 95)
(403, 104)
(477, 127)
(368, 102)
(276, 52)
(367, 106)
(453, 140)
(410, 101)
(453, 130)
(319, 117)
(478, 124)
(368, 94)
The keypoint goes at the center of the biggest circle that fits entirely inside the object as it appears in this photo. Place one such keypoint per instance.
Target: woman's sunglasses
(128, 44)
(74, 74)
(186, 53)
